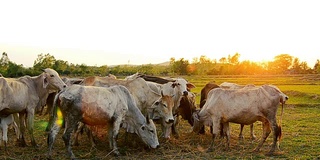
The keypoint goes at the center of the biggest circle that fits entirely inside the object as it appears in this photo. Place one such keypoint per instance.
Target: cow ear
(45, 82)
(190, 85)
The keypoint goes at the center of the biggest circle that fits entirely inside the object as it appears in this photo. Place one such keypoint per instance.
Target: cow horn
(147, 119)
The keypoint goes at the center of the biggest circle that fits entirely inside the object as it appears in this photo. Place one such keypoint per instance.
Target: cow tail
(53, 113)
(280, 123)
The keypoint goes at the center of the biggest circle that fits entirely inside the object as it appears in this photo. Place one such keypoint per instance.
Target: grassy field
(301, 131)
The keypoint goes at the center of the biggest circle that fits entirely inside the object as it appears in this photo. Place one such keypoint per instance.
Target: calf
(4, 123)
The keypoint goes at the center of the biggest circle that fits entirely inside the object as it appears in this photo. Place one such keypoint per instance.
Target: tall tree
(180, 67)
(296, 66)
(234, 59)
(43, 61)
(316, 67)
(282, 63)
(4, 63)
(60, 66)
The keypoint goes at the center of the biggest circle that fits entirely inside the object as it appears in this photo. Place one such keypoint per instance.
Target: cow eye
(151, 131)
(164, 105)
(143, 128)
(157, 103)
(51, 75)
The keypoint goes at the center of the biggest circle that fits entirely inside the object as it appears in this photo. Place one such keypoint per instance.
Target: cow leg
(276, 131)
(21, 141)
(5, 137)
(90, 137)
(76, 135)
(266, 132)
(215, 129)
(253, 137)
(113, 135)
(70, 124)
(1, 136)
(15, 124)
(51, 138)
(30, 120)
(226, 130)
(174, 127)
(241, 137)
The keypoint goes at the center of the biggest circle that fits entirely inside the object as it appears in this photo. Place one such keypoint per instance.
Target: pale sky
(143, 32)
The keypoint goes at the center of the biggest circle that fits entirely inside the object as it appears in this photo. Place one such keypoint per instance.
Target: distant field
(301, 131)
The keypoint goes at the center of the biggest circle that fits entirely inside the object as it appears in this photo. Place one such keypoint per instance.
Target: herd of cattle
(135, 103)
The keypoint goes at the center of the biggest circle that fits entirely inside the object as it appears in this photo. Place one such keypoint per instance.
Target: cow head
(166, 127)
(196, 122)
(163, 107)
(148, 133)
(52, 80)
(187, 107)
(182, 86)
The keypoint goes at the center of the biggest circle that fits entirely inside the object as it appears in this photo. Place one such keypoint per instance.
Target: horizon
(150, 32)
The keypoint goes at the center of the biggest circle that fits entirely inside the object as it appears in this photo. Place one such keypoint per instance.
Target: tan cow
(23, 95)
(242, 106)
(110, 107)
(225, 85)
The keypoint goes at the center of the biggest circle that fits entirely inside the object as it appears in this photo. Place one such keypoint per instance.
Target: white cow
(242, 106)
(23, 95)
(101, 106)
(228, 85)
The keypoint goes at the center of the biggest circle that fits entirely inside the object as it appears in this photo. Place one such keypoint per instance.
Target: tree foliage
(282, 64)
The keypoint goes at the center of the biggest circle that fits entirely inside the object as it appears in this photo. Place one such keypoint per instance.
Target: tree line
(281, 64)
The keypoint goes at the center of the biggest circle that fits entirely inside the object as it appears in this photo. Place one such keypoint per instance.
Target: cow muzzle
(170, 121)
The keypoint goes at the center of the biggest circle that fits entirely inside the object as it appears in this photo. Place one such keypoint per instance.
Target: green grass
(300, 126)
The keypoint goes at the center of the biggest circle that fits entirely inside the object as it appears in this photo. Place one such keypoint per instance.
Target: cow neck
(38, 85)
(176, 98)
(135, 116)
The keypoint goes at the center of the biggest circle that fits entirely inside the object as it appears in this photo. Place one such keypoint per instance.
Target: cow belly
(242, 118)
(93, 115)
